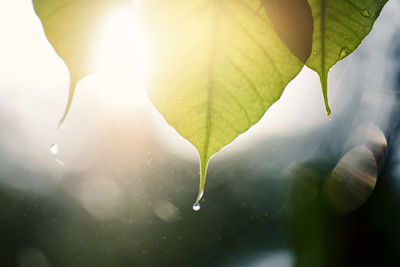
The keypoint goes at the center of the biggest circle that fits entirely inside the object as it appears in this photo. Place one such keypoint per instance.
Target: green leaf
(339, 28)
(71, 27)
(293, 21)
(217, 67)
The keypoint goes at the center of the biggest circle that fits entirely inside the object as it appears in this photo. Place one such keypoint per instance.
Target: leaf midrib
(322, 37)
(211, 77)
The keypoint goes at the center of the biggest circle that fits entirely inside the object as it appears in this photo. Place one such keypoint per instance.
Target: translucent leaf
(339, 28)
(217, 67)
(293, 21)
(71, 26)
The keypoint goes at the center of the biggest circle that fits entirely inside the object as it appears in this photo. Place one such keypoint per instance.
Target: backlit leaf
(339, 28)
(216, 67)
(293, 21)
(71, 27)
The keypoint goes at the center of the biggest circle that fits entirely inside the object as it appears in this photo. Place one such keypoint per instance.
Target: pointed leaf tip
(227, 69)
(203, 176)
(71, 94)
(339, 28)
(324, 86)
(71, 28)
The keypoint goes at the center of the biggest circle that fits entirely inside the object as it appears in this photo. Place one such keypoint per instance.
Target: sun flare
(120, 60)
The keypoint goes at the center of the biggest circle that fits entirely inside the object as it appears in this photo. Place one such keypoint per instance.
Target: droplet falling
(196, 206)
(54, 149)
(60, 162)
(365, 13)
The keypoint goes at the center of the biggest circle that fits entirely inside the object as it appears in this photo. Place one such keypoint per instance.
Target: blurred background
(115, 185)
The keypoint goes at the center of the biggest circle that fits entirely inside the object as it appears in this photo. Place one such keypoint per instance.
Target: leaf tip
(327, 108)
(203, 175)
(72, 88)
(324, 85)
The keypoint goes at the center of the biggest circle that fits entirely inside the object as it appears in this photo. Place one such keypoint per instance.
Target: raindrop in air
(196, 206)
(365, 13)
(54, 149)
(60, 162)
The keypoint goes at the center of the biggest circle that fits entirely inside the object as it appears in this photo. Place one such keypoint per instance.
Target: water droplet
(314, 53)
(196, 206)
(60, 162)
(365, 13)
(344, 52)
(180, 97)
(54, 149)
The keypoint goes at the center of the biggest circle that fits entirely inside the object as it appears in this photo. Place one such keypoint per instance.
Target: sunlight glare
(120, 61)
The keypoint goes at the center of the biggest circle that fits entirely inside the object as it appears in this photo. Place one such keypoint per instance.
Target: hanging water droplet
(196, 206)
(344, 52)
(54, 149)
(365, 13)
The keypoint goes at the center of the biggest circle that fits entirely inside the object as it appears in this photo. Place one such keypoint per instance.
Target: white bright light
(120, 59)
